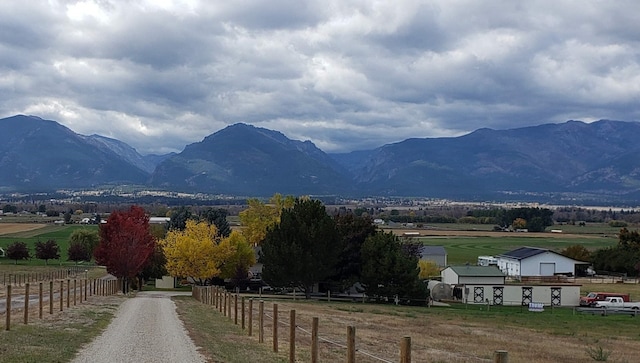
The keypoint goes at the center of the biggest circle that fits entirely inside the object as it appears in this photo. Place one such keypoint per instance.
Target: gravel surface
(145, 329)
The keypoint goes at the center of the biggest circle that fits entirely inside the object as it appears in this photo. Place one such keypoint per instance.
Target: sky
(345, 74)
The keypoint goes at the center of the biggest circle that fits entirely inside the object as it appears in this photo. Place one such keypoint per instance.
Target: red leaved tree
(126, 244)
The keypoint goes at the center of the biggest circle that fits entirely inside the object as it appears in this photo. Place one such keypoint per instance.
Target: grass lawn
(60, 234)
(461, 250)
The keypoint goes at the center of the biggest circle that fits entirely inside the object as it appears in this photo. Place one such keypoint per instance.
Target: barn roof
(432, 251)
(524, 252)
(473, 270)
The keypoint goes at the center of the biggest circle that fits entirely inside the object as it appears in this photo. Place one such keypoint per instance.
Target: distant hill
(247, 160)
(572, 157)
(596, 161)
(37, 154)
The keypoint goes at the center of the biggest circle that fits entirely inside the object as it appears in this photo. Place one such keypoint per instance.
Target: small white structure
(487, 261)
(167, 282)
(159, 220)
(2, 253)
(531, 261)
(523, 295)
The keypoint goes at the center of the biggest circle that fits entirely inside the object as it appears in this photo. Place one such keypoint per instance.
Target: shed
(436, 254)
(469, 274)
(532, 261)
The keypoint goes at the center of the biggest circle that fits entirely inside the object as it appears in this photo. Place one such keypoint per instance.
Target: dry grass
(10, 228)
(449, 335)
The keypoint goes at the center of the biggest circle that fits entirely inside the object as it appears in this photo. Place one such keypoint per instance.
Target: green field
(60, 234)
(461, 250)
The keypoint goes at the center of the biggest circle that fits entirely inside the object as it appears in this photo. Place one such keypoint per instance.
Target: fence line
(19, 279)
(102, 286)
(217, 296)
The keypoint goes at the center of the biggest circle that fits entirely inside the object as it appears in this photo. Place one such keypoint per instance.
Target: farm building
(531, 261)
(470, 274)
(436, 254)
(547, 295)
(486, 285)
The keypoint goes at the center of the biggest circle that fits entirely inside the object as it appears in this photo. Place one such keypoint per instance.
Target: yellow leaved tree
(195, 252)
(428, 269)
(241, 259)
(260, 216)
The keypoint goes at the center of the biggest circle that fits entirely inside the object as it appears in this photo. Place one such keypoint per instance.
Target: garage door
(547, 268)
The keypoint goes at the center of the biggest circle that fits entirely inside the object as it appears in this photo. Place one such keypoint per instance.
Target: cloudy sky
(345, 74)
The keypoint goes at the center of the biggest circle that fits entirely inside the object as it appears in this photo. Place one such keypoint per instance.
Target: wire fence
(334, 346)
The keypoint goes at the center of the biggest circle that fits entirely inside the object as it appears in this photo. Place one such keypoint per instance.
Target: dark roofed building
(533, 261)
(436, 254)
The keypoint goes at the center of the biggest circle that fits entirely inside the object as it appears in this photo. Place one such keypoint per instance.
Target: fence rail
(227, 304)
(75, 290)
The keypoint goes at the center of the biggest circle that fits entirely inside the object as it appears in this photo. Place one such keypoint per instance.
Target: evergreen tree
(303, 249)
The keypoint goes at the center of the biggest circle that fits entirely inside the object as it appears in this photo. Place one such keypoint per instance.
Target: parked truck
(593, 297)
(617, 302)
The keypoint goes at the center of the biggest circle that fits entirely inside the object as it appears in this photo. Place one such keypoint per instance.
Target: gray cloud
(346, 75)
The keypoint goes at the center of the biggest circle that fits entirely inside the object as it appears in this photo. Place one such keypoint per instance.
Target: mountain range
(574, 159)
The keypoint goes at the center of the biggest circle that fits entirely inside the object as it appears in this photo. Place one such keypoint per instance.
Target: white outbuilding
(532, 261)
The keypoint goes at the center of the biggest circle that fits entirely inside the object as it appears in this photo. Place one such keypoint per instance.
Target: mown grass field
(32, 233)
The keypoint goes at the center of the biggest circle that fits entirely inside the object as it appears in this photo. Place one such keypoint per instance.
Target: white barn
(531, 261)
(471, 274)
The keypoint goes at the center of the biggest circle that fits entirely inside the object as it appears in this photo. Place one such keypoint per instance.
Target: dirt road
(146, 329)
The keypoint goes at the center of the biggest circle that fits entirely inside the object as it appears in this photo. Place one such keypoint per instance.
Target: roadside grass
(56, 338)
(220, 339)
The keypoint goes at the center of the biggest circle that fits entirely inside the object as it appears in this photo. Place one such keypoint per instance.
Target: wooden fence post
(51, 297)
(229, 305)
(68, 292)
(8, 308)
(314, 340)
(242, 313)
(261, 322)
(61, 294)
(75, 290)
(235, 306)
(275, 327)
(351, 344)
(292, 336)
(86, 288)
(405, 350)
(40, 300)
(26, 303)
(250, 316)
(500, 356)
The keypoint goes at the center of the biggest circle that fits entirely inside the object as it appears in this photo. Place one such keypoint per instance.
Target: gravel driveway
(146, 328)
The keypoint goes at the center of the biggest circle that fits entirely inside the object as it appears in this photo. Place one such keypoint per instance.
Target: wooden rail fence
(81, 290)
(222, 301)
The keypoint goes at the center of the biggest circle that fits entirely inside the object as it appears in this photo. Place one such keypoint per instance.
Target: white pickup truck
(617, 302)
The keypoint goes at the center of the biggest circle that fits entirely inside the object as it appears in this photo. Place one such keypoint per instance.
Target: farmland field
(464, 246)
(31, 233)
(11, 228)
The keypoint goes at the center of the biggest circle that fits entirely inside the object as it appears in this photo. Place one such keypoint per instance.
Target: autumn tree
(195, 252)
(389, 269)
(428, 269)
(18, 251)
(577, 252)
(519, 223)
(89, 238)
(303, 249)
(48, 250)
(260, 216)
(77, 252)
(125, 244)
(242, 257)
